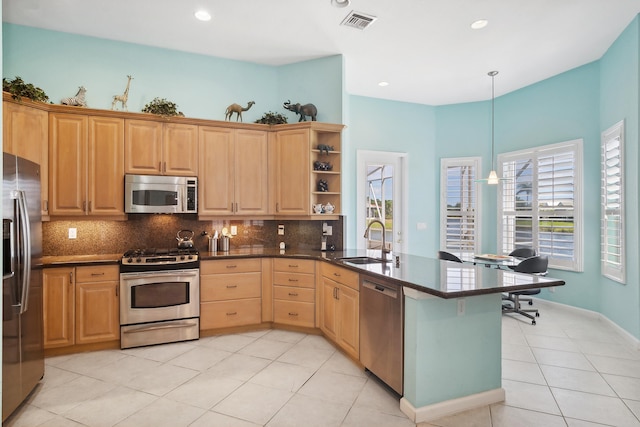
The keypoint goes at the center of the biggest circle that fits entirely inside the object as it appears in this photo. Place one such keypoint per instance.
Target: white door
(380, 187)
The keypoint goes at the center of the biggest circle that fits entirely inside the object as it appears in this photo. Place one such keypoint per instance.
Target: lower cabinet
(340, 307)
(230, 293)
(81, 305)
(294, 292)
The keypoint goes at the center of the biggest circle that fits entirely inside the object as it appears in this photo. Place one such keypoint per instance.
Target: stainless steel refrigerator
(22, 328)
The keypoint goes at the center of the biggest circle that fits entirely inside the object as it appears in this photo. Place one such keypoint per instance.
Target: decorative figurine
(302, 110)
(324, 147)
(122, 98)
(323, 185)
(77, 100)
(322, 166)
(236, 108)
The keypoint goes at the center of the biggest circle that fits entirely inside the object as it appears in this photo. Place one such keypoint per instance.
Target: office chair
(531, 265)
(448, 256)
(523, 252)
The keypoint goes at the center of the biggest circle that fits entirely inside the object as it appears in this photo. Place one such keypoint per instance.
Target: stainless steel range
(159, 296)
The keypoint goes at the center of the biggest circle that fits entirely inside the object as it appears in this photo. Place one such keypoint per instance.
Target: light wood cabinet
(97, 304)
(86, 165)
(294, 292)
(156, 148)
(58, 307)
(81, 305)
(25, 133)
(340, 307)
(230, 293)
(233, 172)
(291, 186)
(303, 155)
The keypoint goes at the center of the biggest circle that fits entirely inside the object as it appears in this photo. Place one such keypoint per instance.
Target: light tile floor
(571, 369)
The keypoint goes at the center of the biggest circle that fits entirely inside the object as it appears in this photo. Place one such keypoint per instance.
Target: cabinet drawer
(230, 266)
(222, 287)
(339, 274)
(98, 273)
(294, 294)
(294, 313)
(294, 279)
(293, 265)
(222, 314)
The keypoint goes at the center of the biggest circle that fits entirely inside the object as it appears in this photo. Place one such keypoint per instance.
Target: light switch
(234, 230)
(281, 230)
(73, 233)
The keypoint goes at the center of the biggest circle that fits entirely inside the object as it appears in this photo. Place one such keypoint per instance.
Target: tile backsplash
(159, 231)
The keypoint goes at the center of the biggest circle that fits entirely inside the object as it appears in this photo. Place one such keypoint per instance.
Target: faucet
(384, 241)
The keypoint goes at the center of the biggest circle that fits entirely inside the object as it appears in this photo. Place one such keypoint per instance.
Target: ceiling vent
(358, 20)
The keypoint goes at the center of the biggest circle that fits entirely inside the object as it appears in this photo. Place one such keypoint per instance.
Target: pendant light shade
(493, 175)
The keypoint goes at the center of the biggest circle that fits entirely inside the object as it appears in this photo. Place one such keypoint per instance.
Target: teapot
(317, 208)
(328, 208)
(185, 239)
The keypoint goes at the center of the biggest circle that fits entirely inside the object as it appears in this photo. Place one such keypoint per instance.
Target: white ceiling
(425, 49)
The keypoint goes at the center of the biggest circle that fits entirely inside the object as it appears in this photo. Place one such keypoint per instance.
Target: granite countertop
(443, 279)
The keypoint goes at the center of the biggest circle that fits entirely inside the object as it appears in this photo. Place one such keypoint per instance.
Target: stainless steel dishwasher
(382, 331)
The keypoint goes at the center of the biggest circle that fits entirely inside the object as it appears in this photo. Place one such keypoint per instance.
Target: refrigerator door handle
(9, 249)
(25, 229)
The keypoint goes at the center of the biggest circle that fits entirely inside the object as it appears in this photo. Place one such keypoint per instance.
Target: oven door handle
(171, 325)
(154, 274)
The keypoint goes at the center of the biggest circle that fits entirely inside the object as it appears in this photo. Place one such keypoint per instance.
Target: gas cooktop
(159, 259)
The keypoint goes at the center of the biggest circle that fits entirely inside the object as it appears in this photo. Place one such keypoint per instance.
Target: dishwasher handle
(381, 289)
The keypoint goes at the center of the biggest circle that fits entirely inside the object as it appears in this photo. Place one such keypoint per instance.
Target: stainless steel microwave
(160, 194)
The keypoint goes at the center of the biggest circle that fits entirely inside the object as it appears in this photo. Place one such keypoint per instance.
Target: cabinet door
(97, 312)
(58, 307)
(328, 314)
(348, 334)
(67, 176)
(180, 149)
(143, 147)
(215, 189)
(292, 173)
(251, 173)
(26, 134)
(105, 166)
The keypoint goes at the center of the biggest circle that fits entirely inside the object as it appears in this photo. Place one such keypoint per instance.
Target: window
(541, 203)
(459, 205)
(612, 192)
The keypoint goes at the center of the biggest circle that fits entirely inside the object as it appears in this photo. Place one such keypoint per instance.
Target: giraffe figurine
(122, 98)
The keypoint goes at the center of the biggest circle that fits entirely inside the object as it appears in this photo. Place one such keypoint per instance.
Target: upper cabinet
(156, 148)
(25, 134)
(233, 177)
(307, 160)
(86, 155)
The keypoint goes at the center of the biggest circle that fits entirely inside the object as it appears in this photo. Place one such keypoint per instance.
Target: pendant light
(493, 175)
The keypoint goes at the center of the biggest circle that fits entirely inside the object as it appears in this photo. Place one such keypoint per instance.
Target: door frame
(399, 162)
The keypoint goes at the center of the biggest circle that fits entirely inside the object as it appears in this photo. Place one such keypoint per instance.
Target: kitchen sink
(362, 260)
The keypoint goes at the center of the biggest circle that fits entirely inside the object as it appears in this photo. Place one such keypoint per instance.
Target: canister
(224, 244)
(213, 244)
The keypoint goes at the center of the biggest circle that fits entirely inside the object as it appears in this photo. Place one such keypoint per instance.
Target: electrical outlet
(422, 226)
(280, 229)
(552, 289)
(234, 230)
(73, 233)
(328, 230)
(461, 307)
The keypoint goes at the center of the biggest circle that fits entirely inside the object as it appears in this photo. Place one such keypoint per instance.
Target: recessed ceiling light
(203, 15)
(383, 84)
(479, 24)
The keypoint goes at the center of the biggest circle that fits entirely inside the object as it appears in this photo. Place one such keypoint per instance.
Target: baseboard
(630, 339)
(450, 407)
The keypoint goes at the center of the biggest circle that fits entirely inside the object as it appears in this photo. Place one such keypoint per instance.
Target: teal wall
(381, 125)
(202, 86)
(620, 99)
(577, 104)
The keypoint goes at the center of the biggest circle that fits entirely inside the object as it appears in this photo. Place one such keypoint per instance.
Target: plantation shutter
(612, 224)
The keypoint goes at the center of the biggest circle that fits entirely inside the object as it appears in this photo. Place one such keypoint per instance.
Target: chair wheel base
(537, 314)
(530, 302)
(533, 322)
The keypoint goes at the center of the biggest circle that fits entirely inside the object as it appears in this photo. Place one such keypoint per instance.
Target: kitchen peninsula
(452, 320)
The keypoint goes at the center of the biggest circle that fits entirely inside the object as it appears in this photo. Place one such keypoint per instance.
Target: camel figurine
(122, 98)
(235, 108)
